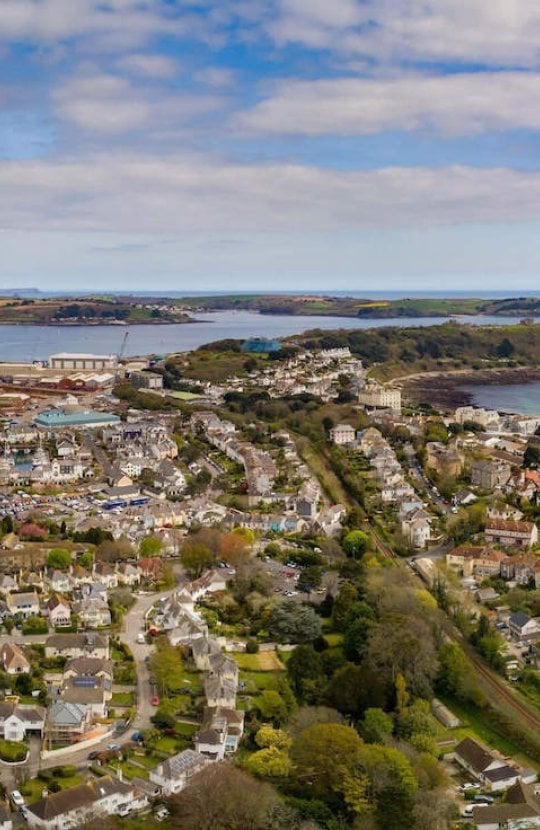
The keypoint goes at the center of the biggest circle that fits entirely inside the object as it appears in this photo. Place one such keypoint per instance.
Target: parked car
(17, 798)
(113, 746)
(483, 799)
(94, 755)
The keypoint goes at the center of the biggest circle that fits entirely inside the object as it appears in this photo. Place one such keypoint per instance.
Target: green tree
(310, 579)
(355, 543)
(305, 671)
(150, 546)
(271, 706)
(321, 754)
(346, 598)
(196, 557)
(166, 667)
(376, 726)
(269, 763)
(345, 689)
(292, 622)
(268, 736)
(86, 560)
(59, 558)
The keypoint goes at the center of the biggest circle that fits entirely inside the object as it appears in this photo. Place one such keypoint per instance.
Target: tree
(269, 763)
(222, 797)
(268, 736)
(345, 689)
(310, 579)
(271, 706)
(234, 549)
(505, 348)
(195, 557)
(35, 625)
(392, 784)
(166, 666)
(150, 546)
(86, 560)
(312, 715)
(355, 543)
(292, 622)
(357, 637)
(305, 670)
(320, 754)
(404, 645)
(531, 457)
(343, 603)
(376, 726)
(59, 558)
(112, 551)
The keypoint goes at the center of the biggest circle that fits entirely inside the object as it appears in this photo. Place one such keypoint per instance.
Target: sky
(270, 145)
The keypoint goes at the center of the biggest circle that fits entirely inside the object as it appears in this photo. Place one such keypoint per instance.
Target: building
(23, 605)
(172, 775)
(90, 362)
(376, 396)
(79, 805)
(511, 534)
(523, 627)
(487, 474)
(59, 611)
(146, 380)
(59, 419)
(342, 434)
(13, 660)
(67, 722)
(480, 763)
(78, 645)
(220, 732)
(19, 721)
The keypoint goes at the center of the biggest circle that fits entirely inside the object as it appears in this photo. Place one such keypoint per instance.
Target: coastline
(445, 390)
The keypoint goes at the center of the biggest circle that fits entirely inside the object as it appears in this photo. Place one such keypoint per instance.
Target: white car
(17, 798)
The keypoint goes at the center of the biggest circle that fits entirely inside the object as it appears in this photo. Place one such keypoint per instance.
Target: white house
(174, 774)
(16, 722)
(78, 805)
(342, 434)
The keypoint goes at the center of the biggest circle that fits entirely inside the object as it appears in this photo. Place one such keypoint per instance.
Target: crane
(123, 346)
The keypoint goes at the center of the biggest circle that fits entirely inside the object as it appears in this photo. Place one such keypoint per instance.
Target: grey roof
(66, 641)
(519, 619)
(501, 773)
(181, 764)
(63, 713)
(89, 666)
(24, 713)
(76, 798)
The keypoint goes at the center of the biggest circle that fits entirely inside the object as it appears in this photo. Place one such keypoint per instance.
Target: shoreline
(445, 390)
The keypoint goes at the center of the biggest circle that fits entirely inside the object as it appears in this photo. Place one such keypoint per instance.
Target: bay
(27, 343)
(523, 398)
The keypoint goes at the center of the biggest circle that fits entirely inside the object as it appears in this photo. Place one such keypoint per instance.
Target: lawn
(33, 788)
(476, 724)
(122, 699)
(333, 640)
(262, 661)
(258, 681)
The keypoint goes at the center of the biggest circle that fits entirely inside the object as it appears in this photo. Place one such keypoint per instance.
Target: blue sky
(270, 144)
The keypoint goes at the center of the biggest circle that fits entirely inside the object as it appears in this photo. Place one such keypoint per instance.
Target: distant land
(27, 306)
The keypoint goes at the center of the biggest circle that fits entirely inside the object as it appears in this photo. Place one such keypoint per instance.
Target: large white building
(90, 362)
(380, 397)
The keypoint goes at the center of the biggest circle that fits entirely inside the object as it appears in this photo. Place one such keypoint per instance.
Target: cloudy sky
(270, 144)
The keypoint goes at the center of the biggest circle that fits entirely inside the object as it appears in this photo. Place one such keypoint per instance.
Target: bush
(252, 646)
(12, 750)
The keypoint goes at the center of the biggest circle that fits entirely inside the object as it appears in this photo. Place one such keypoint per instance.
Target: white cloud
(503, 32)
(152, 66)
(462, 104)
(214, 76)
(141, 194)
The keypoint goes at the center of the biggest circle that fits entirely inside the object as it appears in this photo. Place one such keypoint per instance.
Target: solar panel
(84, 682)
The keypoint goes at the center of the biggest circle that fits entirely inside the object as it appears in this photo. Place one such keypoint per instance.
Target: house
(220, 692)
(59, 611)
(94, 612)
(489, 473)
(511, 534)
(223, 666)
(202, 649)
(19, 721)
(416, 528)
(522, 569)
(342, 434)
(128, 574)
(105, 574)
(90, 692)
(5, 818)
(523, 627)
(13, 660)
(220, 732)
(443, 459)
(23, 605)
(172, 775)
(493, 773)
(474, 758)
(80, 805)
(67, 722)
(520, 810)
(78, 645)
(88, 667)
(7, 584)
(59, 581)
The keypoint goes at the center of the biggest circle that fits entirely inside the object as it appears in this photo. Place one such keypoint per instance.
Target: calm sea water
(38, 342)
(26, 343)
(517, 397)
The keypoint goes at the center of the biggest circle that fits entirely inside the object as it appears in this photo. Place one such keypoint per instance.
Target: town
(222, 581)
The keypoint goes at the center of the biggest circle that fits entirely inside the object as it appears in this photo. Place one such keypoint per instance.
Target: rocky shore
(445, 390)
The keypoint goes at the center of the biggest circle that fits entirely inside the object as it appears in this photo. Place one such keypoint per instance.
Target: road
(134, 622)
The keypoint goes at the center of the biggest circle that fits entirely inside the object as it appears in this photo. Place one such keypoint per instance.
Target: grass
(259, 681)
(122, 699)
(12, 750)
(262, 661)
(33, 788)
(166, 744)
(477, 724)
(334, 639)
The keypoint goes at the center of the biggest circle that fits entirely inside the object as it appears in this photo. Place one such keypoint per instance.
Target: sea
(29, 343)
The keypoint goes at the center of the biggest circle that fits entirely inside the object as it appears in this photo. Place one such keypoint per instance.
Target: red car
(155, 700)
